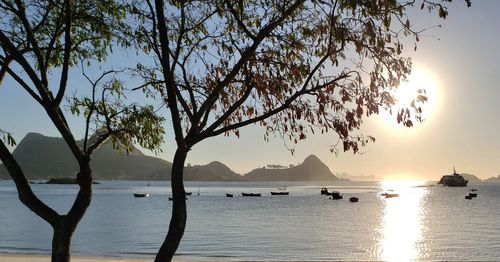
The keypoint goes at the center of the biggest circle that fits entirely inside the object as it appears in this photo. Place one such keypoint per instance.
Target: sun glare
(402, 223)
(421, 81)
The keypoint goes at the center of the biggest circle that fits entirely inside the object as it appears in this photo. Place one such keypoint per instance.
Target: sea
(425, 223)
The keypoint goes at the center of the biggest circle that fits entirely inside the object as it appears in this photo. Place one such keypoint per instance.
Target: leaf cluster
(109, 117)
(42, 23)
(293, 67)
(7, 138)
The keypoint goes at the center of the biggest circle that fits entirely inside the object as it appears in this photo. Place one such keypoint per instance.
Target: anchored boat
(280, 193)
(141, 195)
(250, 194)
(453, 180)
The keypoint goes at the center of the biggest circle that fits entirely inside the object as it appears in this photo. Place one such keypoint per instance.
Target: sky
(460, 60)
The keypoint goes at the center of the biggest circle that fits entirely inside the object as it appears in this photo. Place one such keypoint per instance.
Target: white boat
(453, 180)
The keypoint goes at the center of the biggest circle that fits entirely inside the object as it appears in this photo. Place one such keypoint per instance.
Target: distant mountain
(493, 179)
(312, 169)
(42, 157)
(214, 171)
(471, 178)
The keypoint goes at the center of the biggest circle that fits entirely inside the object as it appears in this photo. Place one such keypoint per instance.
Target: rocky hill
(471, 178)
(312, 169)
(43, 157)
(493, 179)
(214, 171)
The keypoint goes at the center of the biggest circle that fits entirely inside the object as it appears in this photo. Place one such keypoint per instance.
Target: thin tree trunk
(179, 213)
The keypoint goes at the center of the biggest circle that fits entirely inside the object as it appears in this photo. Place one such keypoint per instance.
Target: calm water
(424, 223)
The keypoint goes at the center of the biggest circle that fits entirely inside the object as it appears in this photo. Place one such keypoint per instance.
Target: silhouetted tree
(293, 67)
(39, 39)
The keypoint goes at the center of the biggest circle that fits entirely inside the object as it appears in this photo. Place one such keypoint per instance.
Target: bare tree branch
(67, 52)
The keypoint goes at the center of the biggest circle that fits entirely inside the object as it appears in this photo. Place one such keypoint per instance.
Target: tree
(39, 39)
(293, 67)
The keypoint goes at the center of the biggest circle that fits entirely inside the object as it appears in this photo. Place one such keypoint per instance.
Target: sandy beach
(46, 258)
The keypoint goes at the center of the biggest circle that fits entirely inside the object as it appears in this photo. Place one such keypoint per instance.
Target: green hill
(214, 171)
(43, 157)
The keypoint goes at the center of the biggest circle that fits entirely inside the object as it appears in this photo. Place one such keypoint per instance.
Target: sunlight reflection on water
(401, 227)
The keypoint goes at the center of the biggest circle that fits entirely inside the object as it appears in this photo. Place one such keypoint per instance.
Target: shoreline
(20, 257)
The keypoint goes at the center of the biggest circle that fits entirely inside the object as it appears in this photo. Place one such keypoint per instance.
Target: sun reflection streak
(401, 228)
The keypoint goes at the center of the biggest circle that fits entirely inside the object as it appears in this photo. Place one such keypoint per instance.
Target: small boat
(473, 190)
(280, 193)
(229, 195)
(251, 194)
(473, 194)
(353, 199)
(390, 195)
(141, 195)
(324, 191)
(189, 193)
(468, 197)
(336, 195)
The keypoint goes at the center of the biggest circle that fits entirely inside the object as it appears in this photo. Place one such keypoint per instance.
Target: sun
(421, 81)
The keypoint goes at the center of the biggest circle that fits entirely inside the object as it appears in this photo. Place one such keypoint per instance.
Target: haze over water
(424, 223)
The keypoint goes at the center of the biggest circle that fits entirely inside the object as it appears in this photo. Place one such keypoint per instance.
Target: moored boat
(280, 193)
(324, 191)
(390, 195)
(141, 195)
(353, 199)
(453, 180)
(229, 195)
(336, 195)
(251, 194)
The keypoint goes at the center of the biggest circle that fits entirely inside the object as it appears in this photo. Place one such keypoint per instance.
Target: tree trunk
(61, 242)
(66, 225)
(179, 214)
